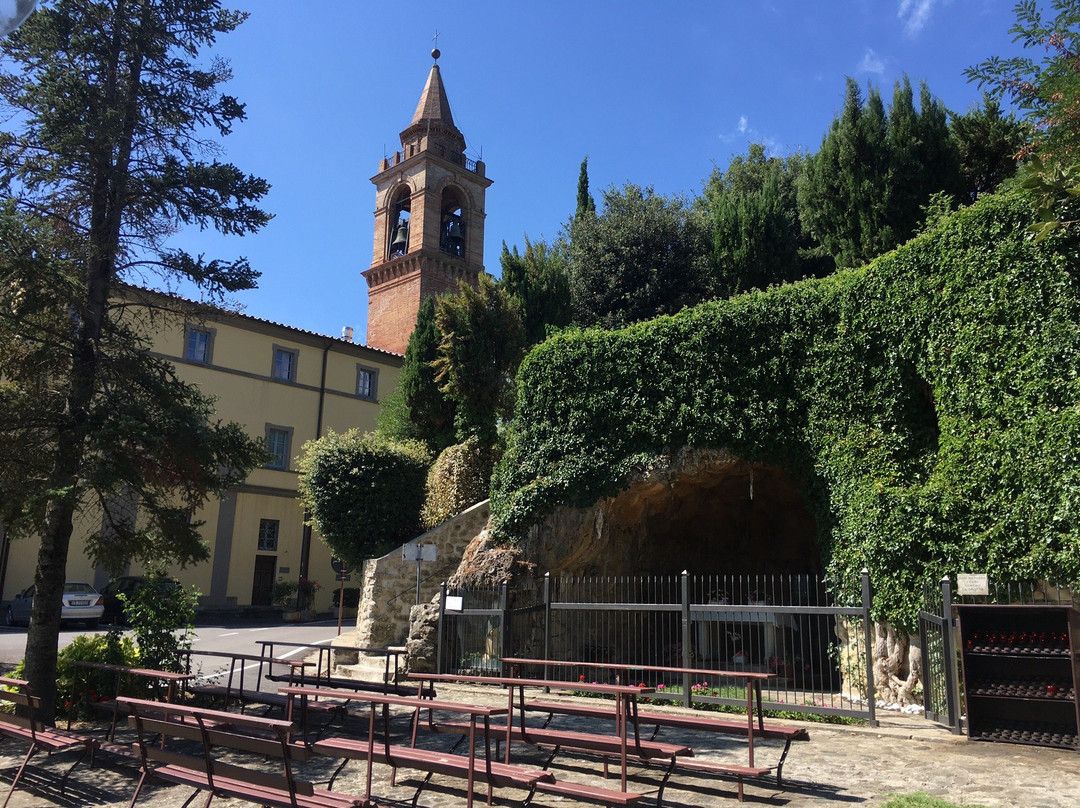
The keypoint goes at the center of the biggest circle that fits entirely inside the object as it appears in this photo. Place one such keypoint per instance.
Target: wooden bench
(374, 751)
(234, 689)
(22, 725)
(324, 668)
(747, 728)
(703, 723)
(157, 681)
(606, 746)
(162, 729)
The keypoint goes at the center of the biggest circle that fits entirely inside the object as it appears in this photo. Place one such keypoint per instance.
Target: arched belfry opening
(452, 224)
(400, 212)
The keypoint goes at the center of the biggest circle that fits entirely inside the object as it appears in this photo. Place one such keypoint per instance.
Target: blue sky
(654, 93)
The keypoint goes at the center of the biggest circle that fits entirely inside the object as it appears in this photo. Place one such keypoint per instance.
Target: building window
(268, 535)
(277, 444)
(366, 382)
(199, 345)
(284, 369)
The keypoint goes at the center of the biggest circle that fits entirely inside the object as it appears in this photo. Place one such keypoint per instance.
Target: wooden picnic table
(624, 714)
(753, 680)
(169, 678)
(390, 656)
(396, 756)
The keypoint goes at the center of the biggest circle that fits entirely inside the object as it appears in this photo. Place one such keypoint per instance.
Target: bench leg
(19, 774)
(63, 780)
(333, 777)
(780, 763)
(663, 782)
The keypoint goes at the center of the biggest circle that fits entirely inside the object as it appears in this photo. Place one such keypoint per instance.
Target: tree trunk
(897, 666)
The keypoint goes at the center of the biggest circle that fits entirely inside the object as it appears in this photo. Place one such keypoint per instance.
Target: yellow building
(285, 385)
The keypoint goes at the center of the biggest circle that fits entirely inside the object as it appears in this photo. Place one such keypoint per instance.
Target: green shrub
(460, 477)
(75, 686)
(364, 491)
(161, 615)
(928, 403)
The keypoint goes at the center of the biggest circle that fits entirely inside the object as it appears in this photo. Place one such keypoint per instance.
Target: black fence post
(504, 620)
(439, 635)
(952, 676)
(547, 619)
(868, 638)
(685, 595)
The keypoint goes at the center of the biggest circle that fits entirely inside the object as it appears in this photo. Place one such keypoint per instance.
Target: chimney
(346, 333)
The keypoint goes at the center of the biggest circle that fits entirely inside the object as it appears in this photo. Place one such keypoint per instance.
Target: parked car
(82, 603)
(127, 585)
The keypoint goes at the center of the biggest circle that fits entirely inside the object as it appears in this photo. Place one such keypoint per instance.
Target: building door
(262, 586)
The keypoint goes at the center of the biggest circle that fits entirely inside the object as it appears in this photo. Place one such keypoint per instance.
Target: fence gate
(941, 679)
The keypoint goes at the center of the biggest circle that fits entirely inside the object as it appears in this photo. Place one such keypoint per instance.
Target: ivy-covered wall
(928, 402)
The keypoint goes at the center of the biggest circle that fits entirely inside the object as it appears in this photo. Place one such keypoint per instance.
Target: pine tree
(102, 163)
(585, 204)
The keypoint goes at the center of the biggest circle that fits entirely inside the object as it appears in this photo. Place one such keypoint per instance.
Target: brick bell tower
(429, 219)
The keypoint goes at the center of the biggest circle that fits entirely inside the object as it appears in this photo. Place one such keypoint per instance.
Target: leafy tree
(482, 342)
(418, 409)
(643, 256)
(586, 206)
(1047, 93)
(863, 193)
(108, 118)
(539, 282)
(988, 143)
(758, 237)
(364, 492)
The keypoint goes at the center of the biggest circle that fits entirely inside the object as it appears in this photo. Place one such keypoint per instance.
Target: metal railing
(787, 625)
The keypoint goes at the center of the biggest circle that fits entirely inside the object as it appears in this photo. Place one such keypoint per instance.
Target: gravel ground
(839, 766)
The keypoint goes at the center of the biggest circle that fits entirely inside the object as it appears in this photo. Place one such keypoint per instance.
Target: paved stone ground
(840, 766)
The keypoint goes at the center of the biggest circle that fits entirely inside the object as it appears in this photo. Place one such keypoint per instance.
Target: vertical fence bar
(547, 619)
(504, 618)
(952, 677)
(868, 638)
(440, 634)
(685, 602)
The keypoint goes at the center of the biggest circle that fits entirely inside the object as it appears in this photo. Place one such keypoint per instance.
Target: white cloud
(871, 62)
(743, 125)
(914, 14)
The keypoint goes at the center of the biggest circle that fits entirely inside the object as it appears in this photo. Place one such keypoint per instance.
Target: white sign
(454, 603)
(972, 584)
(418, 552)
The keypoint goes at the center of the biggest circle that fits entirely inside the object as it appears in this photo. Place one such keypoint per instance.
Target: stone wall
(388, 584)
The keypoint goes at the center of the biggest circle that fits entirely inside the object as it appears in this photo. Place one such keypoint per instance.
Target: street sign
(337, 565)
(418, 552)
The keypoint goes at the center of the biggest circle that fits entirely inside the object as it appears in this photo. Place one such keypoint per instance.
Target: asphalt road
(238, 637)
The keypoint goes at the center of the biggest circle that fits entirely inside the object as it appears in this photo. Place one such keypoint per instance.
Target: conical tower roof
(432, 127)
(434, 105)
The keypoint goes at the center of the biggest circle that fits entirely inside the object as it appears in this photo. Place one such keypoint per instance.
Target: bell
(453, 234)
(400, 244)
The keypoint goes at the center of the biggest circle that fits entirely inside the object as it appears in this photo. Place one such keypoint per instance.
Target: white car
(81, 602)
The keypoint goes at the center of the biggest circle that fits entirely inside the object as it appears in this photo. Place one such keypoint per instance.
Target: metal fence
(785, 625)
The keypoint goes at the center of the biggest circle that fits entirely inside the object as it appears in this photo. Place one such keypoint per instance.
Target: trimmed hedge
(929, 403)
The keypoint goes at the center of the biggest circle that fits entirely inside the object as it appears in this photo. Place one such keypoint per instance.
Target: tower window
(452, 225)
(400, 210)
